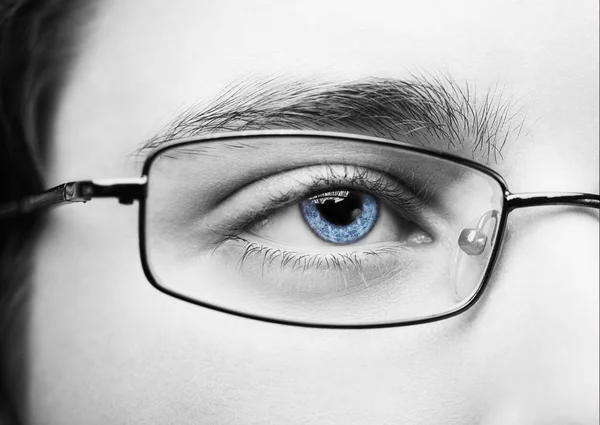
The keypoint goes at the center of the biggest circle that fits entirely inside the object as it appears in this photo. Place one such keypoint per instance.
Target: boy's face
(106, 347)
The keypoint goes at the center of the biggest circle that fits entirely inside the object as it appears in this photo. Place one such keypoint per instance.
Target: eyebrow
(435, 112)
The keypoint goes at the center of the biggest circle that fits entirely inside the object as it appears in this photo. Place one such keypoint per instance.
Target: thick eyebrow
(435, 112)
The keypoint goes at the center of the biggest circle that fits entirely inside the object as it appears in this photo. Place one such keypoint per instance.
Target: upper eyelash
(387, 188)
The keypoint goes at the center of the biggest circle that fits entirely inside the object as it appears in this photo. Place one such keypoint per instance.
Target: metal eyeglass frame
(135, 189)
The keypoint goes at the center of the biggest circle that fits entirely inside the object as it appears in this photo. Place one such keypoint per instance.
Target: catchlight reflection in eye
(342, 216)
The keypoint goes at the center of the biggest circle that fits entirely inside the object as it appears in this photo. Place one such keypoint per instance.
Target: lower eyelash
(352, 262)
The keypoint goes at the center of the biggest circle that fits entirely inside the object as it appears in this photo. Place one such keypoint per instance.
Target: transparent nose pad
(472, 241)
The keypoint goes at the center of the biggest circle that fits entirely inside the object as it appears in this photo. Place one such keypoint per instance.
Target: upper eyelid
(396, 192)
(399, 195)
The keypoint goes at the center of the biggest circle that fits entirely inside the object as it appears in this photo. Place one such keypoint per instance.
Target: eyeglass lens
(319, 230)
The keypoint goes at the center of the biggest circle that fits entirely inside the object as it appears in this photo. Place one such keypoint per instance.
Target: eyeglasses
(314, 229)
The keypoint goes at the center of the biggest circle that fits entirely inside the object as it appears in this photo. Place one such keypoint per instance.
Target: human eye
(306, 230)
(325, 229)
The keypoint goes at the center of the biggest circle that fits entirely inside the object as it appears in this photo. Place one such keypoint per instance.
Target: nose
(542, 313)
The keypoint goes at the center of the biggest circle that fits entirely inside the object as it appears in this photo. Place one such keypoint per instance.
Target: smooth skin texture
(106, 347)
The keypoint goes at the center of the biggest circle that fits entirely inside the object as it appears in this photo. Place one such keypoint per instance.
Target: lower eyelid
(282, 254)
(329, 249)
(322, 274)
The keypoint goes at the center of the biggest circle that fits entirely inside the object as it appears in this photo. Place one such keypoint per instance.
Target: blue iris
(340, 216)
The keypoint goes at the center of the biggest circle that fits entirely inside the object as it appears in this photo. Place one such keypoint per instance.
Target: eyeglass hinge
(125, 190)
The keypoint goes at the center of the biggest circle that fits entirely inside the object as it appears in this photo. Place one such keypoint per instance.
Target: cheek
(538, 322)
(103, 338)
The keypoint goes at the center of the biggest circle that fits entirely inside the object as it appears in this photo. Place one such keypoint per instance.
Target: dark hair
(37, 39)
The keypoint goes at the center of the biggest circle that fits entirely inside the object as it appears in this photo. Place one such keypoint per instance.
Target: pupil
(341, 211)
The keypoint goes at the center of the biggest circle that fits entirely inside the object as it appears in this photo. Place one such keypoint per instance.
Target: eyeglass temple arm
(125, 190)
(525, 200)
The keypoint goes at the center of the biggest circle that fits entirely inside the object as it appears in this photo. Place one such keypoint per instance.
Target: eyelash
(304, 262)
(362, 179)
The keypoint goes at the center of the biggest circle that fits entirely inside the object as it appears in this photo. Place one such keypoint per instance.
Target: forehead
(140, 66)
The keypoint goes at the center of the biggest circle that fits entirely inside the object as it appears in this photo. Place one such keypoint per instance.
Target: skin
(106, 347)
